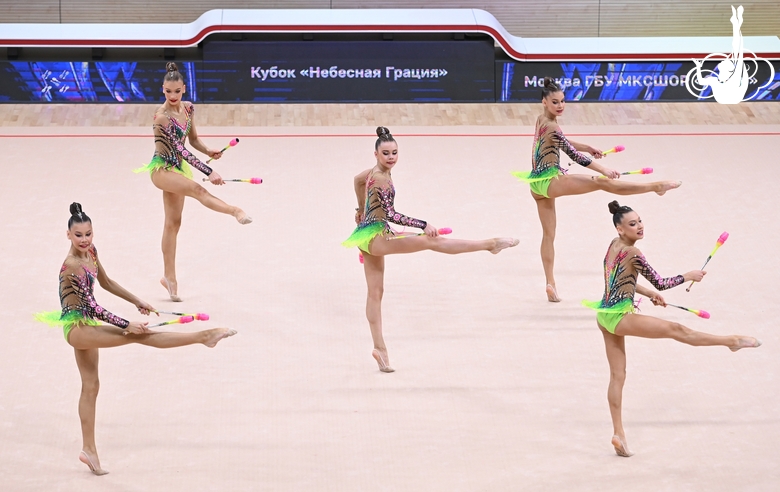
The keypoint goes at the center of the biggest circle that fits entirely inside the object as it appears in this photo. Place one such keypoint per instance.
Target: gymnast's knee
(678, 331)
(173, 223)
(618, 375)
(90, 386)
(376, 293)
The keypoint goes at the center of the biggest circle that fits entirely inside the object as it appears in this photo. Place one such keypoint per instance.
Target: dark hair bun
(75, 208)
(380, 130)
(77, 215)
(549, 86)
(614, 207)
(171, 67)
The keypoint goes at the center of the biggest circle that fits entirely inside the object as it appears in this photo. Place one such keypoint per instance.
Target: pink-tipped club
(202, 317)
(256, 181)
(723, 237)
(233, 142)
(186, 319)
(647, 170)
(703, 314)
(445, 230)
(619, 148)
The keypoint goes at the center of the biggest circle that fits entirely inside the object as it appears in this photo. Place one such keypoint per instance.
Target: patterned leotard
(77, 286)
(620, 276)
(169, 150)
(169, 142)
(378, 212)
(549, 140)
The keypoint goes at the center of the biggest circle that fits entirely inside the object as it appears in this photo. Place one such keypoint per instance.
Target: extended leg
(380, 246)
(178, 184)
(648, 327)
(578, 184)
(87, 337)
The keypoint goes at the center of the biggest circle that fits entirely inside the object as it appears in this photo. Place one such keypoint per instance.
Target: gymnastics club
(616, 149)
(232, 143)
(697, 312)
(182, 320)
(254, 181)
(197, 316)
(721, 240)
(443, 230)
(644, 170)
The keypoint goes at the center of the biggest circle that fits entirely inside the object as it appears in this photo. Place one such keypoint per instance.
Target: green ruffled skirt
(609, 317)
(538, 182)
(159, 163)
(362, 236)
(67, 322)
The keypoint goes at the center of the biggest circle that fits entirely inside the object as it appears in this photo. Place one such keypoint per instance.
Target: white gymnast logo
(730, 83)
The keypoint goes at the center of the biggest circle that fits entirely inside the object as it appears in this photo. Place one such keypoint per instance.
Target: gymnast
(171, 172)
(375, 238)
(548, 180)
(616, 318)
(79, 319)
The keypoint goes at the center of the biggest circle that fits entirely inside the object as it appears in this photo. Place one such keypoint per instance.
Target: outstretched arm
(195, 140)
(581, 147)
(643, 267)
(119, 291)
(560, 141)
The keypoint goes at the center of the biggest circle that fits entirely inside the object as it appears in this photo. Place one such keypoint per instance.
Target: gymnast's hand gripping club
(232, 143)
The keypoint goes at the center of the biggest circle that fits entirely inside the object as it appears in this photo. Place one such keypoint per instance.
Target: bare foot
(213, 336)
(242, 217)
(668, 185)
(172, 288)
(552, 294)
(620, 446)
(93, 464)
(746, 342)
(380, 360)
(504, 243)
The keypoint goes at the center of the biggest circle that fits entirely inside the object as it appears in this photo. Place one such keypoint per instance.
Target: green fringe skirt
(159, 163)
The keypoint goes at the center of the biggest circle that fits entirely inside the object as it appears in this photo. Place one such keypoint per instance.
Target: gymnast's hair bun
(618, 211)
(549, 86)
(171, 67)
(549, 83)
(77, 215)
(384, 136)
